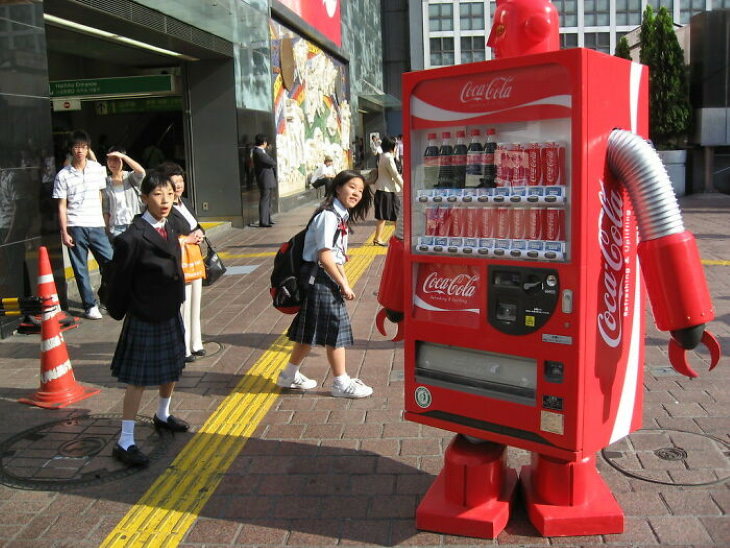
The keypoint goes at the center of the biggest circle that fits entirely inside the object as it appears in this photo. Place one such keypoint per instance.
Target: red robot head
(522, 27)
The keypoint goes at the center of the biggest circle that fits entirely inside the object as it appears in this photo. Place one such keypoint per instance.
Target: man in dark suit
(264, 168)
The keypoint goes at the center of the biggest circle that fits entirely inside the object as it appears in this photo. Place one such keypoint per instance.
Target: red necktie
(162, 232)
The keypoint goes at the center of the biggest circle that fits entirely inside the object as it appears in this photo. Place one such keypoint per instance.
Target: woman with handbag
(388, 186)
(192, 235)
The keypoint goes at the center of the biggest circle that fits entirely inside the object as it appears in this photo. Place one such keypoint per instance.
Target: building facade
(456, 31)
(192, 81)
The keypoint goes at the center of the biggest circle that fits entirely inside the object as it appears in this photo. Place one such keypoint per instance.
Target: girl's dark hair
(170, 169)
(154, 179)
(117, 148)
(361, 210)
(387, 144)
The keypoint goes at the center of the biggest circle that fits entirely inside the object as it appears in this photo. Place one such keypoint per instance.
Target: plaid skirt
(323, 319)
(149, 354)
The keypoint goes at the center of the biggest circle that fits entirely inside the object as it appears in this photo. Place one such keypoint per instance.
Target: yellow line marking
(163, 515)
(710, 262)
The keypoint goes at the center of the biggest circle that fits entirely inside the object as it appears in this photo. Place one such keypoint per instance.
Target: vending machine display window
(500, 376)
(493, 191)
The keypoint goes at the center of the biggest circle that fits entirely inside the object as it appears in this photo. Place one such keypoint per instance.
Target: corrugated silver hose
(636, 164)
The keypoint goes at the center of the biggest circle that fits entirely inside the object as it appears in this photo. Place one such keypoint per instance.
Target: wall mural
(311, 109)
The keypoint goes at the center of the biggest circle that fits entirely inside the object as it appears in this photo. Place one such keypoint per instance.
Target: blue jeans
(88, 238)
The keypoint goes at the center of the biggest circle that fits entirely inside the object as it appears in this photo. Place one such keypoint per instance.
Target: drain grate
(671, 453)
(73, 452)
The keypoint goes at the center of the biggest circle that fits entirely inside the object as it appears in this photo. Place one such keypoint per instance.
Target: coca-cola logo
(610, 242)
(497, 88)
(461, 285)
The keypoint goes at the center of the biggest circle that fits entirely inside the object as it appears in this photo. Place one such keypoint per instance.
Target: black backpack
(292, 276)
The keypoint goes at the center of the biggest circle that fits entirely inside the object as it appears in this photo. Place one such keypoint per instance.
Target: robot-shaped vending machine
(517, 284)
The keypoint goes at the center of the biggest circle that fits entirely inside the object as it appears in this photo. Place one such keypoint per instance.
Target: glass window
(442, 51)
(599, 41)
(656, 4)
(628, 12)
(440, 17)
(596, 13)
(568, 10)
(472, 15)
(473, 49)
(569, 40)
(717, 4)
(688, 8)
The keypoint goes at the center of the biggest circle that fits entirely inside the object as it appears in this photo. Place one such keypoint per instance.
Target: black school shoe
(173, 424)
(131, 456)
(200, 352)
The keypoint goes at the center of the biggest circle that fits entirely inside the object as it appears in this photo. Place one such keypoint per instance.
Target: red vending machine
(523, 312)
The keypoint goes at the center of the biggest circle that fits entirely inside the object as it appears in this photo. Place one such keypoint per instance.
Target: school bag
(291, 274)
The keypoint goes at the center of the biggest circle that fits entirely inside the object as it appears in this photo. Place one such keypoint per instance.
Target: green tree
(622, 49)
(669, 107)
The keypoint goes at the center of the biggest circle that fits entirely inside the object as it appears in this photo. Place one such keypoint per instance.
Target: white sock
(127, 437)
(163, 408)
(291, 370)
(342, 380)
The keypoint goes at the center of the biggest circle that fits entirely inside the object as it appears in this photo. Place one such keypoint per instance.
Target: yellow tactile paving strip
(171, 505)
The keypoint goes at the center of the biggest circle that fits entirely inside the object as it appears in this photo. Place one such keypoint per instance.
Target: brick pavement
(321, 471)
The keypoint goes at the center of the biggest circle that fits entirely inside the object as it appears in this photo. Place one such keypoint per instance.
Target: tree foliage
(669, 107)
(622, 49)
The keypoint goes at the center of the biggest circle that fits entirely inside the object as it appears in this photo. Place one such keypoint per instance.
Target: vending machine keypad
(521, 300)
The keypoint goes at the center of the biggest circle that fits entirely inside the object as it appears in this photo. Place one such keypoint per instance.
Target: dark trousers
(265, 205)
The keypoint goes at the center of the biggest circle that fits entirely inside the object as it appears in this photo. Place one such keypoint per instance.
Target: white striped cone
(58, 385)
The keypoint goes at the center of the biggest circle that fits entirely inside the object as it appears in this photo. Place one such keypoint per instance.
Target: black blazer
(263, 167)
(178, 220)
(146, 274)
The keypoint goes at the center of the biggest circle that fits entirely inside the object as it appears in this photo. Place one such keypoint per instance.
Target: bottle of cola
(446, 169)
(490, 167)
(431, 163)
(458, 159)
(474, 161)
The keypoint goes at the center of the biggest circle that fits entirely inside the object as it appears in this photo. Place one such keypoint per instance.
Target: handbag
(214, 267)
(192, 262)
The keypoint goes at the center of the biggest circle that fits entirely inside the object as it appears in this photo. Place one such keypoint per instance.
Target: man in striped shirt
(78, 189)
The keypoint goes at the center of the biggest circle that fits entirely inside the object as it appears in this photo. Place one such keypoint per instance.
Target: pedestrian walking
(147, 290)
(323, 319)
(78, 188)
(388, 186)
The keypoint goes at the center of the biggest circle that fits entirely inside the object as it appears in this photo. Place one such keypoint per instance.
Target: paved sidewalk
(319, 471)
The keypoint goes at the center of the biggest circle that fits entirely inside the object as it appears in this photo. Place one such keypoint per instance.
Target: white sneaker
(355, 388)
(299, 382)
(93, 313)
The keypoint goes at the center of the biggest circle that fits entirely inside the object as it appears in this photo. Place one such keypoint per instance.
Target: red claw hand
(678, 355)
(380, 324)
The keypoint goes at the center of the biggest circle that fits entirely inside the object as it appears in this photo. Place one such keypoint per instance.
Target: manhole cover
(212, 348)
(671, 457)
(73, 452)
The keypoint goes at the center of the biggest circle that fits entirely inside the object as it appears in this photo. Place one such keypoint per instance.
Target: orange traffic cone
(58, 385)
(31, 324)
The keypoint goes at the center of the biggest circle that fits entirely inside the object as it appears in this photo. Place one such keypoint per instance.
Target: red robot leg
(390, 293)
(472, 494)
(569, 498)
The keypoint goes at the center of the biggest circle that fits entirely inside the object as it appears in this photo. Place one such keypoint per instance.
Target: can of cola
(486, 227)
(503, 165)
(503, 222)
(519, 165)
(553, 160)
(518, 223)
(456, 222)
(554, 224)
(534, 226)
(534, 164)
